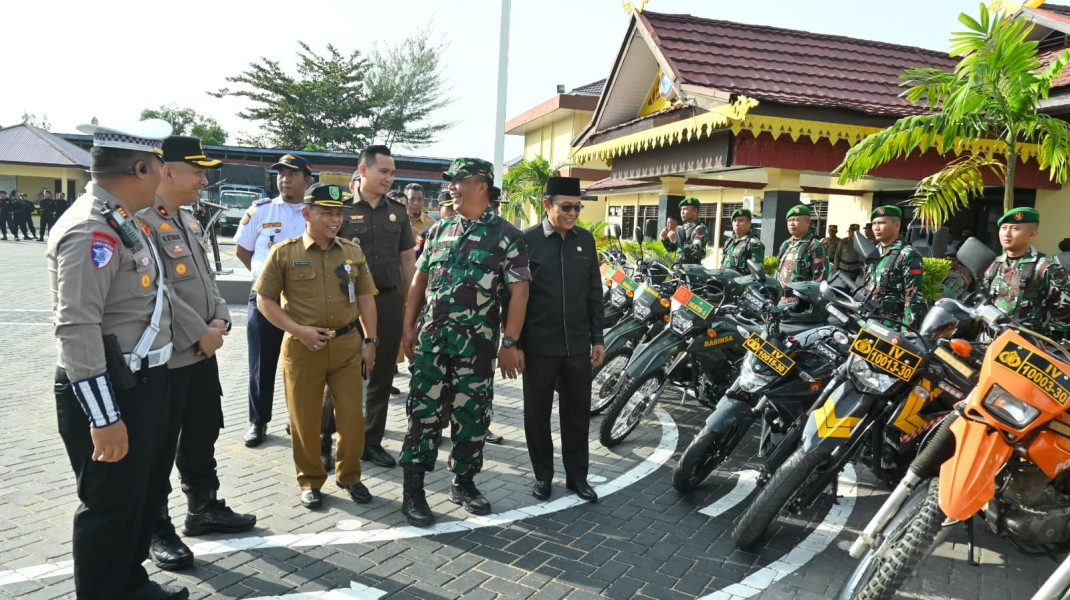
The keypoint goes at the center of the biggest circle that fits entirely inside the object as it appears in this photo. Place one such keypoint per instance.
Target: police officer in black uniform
(47, 210)
(6, 207)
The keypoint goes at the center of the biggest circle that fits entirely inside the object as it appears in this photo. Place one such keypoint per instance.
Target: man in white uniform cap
(113, 331)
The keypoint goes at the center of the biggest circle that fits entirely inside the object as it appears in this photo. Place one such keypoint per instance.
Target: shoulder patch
(102, 249)
(260, 202)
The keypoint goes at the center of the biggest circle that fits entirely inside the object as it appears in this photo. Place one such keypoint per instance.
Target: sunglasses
(570, 207)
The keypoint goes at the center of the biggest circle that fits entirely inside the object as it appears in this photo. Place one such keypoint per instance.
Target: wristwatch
(371, 340)
(508, 342)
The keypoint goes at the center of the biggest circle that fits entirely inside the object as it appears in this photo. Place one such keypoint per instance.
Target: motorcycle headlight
(618, 298)
(1009, 409)
(753, 376)
(641, 312)
(680, 322)
(873, 380)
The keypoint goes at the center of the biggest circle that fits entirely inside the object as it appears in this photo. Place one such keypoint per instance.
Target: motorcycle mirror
(612, 230)
(650, 229)
(866, 249)
(756, 269)
(638, 233)
(975, 256)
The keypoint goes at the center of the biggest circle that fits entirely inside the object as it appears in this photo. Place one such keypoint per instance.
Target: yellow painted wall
(1054, 208)
(31, 179)
(845, 210)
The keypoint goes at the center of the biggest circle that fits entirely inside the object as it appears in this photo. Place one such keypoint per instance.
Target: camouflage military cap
(800, 210)
(1020, 215)
(690, 201)
(467, 167)
(324, 194)
(886, 211)
(741, 212)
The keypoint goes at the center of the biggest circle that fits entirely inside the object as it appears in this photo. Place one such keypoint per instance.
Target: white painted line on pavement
(660, 455)
(27, 324)
(45, 310)
(745, 484)
(814, 544)
(355, 590)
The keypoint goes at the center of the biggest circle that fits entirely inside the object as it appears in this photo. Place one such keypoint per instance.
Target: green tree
(523, 185)
(405, 86)
(993, 94)
(324, 106)
(186, 121)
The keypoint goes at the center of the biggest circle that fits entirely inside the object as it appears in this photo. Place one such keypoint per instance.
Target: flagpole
(503, 85)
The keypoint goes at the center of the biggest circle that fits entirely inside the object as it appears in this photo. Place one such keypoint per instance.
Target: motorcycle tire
(627, 409)
(606, 380)
(699, 459)
(752, 525)
(909, 538)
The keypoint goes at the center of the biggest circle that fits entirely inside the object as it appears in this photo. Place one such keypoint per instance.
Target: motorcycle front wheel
(634, 400)
(701, 457)
(783, 485)
(606, 380)
(908, 539)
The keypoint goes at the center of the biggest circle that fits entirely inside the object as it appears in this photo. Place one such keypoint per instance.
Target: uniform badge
(102, 249)
(353, 218)
(145, 261)
(166, 227)
(146, 281)
(393, 217)
(180, 268)
(245, 219)
(178, 249)
(1019, 216)
(579, 248)
(163, 212)
(144, 227)
(193, 224)
(880, 211)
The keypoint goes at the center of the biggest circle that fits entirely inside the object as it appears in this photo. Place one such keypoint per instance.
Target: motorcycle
(880, 403)
(698, 351)
(781, 375)
(623, 281)
(1002, 455)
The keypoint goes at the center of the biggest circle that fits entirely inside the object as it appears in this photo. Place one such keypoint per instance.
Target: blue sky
(75, 60)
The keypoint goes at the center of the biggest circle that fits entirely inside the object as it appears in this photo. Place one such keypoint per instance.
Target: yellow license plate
(768, 354)
(891, 358)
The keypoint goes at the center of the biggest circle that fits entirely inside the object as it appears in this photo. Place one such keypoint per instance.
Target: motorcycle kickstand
(970, 560)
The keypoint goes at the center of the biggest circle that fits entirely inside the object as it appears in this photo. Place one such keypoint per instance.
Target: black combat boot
(464, 492)
(414, 503)
(206, 514)
(168, 552)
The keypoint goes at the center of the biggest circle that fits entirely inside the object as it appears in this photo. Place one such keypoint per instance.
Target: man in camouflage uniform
(959, 282)
(743, 246)
(802, 256)
(467, 262)
(832, 242)
(1024, 283)
(691, 237)
(895, 279)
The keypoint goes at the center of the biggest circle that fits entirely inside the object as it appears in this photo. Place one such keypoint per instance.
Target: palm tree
(523, 184)
(991, 96)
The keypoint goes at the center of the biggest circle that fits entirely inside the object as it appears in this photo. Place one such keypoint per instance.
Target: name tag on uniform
(351, 288)
(302, 263)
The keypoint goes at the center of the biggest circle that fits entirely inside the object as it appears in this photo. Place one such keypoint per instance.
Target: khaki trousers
(304, 375)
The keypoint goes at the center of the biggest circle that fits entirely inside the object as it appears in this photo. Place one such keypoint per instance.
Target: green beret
(886, 211)
(689, 201)
(740, 212)
(1020, 215)
(800, 210)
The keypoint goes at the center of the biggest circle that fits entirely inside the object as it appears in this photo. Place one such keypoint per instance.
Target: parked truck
(235, 187)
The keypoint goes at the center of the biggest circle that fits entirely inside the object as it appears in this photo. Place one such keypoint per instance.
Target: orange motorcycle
(1004, 455)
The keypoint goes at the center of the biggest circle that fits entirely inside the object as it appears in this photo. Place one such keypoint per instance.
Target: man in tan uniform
(325, 286)
(418, 218)
(201, 319)
(113, 330)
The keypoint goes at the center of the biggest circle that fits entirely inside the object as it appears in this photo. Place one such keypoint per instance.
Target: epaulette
(186, 208)
(289, 241)
(261, 202)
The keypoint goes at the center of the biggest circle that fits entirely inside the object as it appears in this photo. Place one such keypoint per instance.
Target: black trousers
(195, 420)
(5, 220)
(389, 310)
(572, 376)
(113, 523)
(47, 220)
(265, 344)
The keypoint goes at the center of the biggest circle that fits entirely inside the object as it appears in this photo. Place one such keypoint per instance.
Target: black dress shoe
(168, 552)
(379, 456)
(255, 435)
(582, 489)
(311, 499)
(493, 438)
(464, 492)
(541, 489)
(358, 492)
(156, 591)
(394, 391)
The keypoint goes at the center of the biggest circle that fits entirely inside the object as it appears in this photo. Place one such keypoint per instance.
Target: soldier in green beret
(744, 245)
(691, 238)
(1024, 283)
(802, 256)
(895, 280)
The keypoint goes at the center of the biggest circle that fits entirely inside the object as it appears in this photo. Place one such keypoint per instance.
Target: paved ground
(643, 540)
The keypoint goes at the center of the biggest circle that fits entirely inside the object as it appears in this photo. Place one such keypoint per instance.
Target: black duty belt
(342, 330)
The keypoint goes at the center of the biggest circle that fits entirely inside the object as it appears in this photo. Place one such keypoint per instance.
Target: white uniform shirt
(266, 223)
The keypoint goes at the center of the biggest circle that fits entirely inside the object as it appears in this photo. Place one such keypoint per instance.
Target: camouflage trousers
(453, 389)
